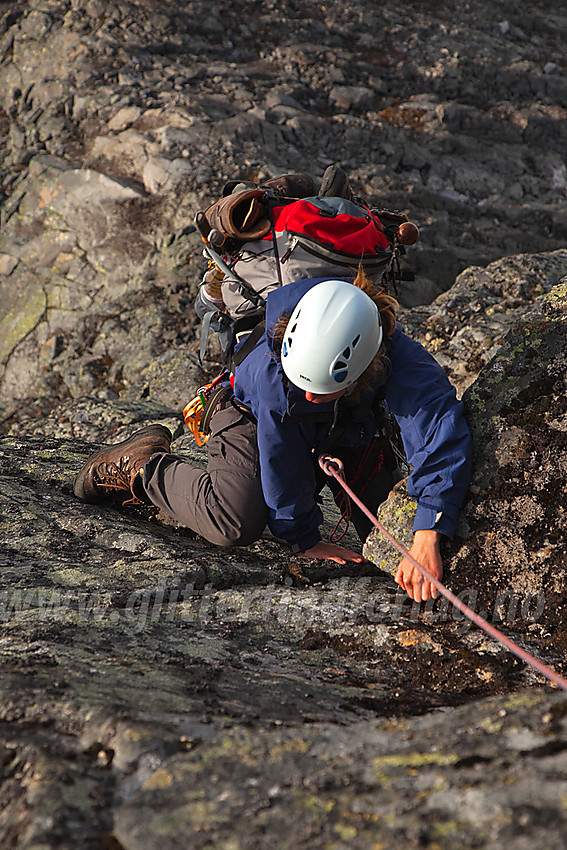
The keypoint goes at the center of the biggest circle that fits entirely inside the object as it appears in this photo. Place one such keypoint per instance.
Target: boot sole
(86, 494)
(334, 184)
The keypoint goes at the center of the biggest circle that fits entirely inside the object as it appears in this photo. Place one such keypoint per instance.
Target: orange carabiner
(192, 413)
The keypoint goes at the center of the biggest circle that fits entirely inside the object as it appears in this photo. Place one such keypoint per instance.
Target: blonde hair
(379, 368)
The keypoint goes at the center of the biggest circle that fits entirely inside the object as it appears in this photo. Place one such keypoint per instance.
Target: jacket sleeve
(288, 479)
(434, 432)
(286, 460)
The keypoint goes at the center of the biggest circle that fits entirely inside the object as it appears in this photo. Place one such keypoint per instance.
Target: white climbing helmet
(332, 336)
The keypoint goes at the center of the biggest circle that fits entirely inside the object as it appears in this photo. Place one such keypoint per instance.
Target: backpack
(256, 242)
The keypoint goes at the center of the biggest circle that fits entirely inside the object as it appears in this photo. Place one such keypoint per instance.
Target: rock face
(465, 326)
(508, 558)
(160, 692)
(87, 308)
(518, 414)
(118, 121)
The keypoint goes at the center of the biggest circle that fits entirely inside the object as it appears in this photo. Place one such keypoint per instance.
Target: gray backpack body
(257, 264)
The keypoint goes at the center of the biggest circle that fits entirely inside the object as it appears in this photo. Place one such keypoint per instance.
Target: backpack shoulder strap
(249, 344)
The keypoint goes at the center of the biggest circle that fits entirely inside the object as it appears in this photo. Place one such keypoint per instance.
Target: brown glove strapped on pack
(243, 215)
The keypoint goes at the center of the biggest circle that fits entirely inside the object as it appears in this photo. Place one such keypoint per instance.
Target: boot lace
(117, 476)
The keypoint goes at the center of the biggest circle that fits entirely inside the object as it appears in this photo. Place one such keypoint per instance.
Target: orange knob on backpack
(408, 233)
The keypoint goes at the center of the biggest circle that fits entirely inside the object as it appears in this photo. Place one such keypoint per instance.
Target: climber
(331, 363)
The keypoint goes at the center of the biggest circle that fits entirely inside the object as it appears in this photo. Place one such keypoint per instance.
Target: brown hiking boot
(335, 184)
(291, 186)
(296, 185)
(111, 473)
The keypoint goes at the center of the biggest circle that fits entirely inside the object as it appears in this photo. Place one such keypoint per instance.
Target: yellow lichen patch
(19, 315)
(317, 804)
(414, 637)
(413, 760)
(159, 779)
(521, 700)
(241, 752)
(491, 726)
(296, 745)
(485, 675)
(346, 832)
(439, 831)
(434, 343)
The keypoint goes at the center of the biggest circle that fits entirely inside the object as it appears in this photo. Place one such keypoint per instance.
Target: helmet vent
(346, 353)
(340, 365)
(355, 341)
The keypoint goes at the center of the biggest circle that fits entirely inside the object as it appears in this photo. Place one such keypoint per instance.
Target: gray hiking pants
(225, 503)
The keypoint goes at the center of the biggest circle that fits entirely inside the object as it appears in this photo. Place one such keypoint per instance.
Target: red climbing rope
(333, 467)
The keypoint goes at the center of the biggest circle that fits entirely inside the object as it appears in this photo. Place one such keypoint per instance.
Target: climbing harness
(333, 467)
(198, 412)
(367, 468)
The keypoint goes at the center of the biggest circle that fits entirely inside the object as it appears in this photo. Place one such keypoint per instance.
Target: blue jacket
(435, 435)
